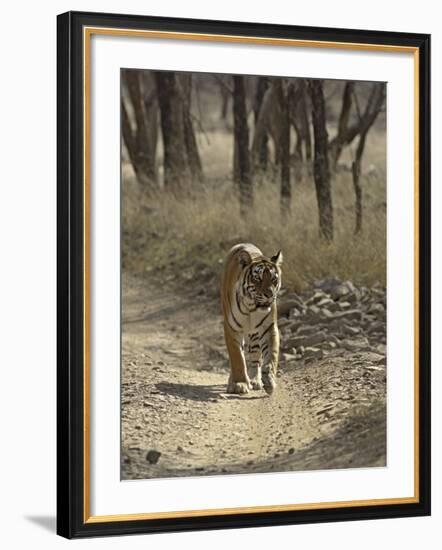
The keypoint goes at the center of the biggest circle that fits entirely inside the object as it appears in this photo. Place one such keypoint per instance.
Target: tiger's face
(262, 280)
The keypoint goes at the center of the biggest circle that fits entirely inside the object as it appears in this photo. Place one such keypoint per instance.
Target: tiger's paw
(269, 382)
(238, 387)
(256, 384)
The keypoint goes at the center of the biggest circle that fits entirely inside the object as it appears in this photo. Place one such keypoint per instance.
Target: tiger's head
(261, 280)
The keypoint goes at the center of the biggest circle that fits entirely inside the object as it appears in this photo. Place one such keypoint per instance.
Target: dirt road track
(325, 414)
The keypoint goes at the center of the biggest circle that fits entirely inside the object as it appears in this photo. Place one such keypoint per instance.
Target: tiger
(250, 283)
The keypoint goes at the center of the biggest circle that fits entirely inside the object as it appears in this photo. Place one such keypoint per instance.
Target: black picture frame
(71, 519)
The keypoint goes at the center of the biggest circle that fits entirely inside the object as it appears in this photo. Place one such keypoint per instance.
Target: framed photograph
(243, 274)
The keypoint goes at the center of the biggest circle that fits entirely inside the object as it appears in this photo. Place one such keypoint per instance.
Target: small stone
(352, 331)
(377, 309)
(336, 306)
(308, 340)
(327, 285)
(358, 344)
(306, 330)
(317, 297)
(311, 353)
(325, 302)
(340, 291)
(376, 326)
(352, 298)
(286, 307)
(291, 450)
(153, 456)
(352, 314)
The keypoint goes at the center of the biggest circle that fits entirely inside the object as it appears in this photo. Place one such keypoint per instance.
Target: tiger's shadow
(198, 392)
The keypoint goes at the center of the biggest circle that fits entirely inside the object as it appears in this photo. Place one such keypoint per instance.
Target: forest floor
(328, 411)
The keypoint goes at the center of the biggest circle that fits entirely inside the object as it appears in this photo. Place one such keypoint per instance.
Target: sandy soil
(177, 419)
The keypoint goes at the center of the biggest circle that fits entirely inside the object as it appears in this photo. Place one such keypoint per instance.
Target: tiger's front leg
(270, 353)
(255, 362)
(238, 380)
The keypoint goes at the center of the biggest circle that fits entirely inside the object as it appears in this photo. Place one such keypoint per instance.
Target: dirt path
(329, 413)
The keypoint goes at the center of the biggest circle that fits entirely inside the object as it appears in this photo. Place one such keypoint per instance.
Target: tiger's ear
(244, 258)
(277, 259)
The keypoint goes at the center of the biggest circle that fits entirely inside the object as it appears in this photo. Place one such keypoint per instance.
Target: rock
(325, 302)
(327, 285)
(289, 324)
(352, 331)
(351, 314)
(318, 296)
(353, 297)
(306, 330)
(372, 357)
(381, 348)
(377, 309)
(311, 353)
(153, 456)
(325, 312)
(376, 326)
(307, 340)
(340, 291)
(288, 357)
(312, 315)
(339, 317)
(357, 344)
(343, 305)
(291, 451)
(331, 345)
(336, 306)
(285, 307)
(375, 368)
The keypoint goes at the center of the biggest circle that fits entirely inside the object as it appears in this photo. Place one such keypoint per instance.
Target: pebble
(153, 456)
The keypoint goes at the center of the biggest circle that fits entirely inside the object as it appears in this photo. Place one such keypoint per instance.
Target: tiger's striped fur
(249, 287)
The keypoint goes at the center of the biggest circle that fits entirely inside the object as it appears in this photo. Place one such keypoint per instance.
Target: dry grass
(188, 237)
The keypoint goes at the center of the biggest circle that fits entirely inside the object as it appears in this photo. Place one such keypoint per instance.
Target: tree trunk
(305, 125)
(338, 143)
(284, 147)
(320, 167)
(141, 141)
(356, 172)
(241, 144)
(177, 173)
(225, 96)
(262, 150)
(262, 125)
(193, 155)
(364, 123)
